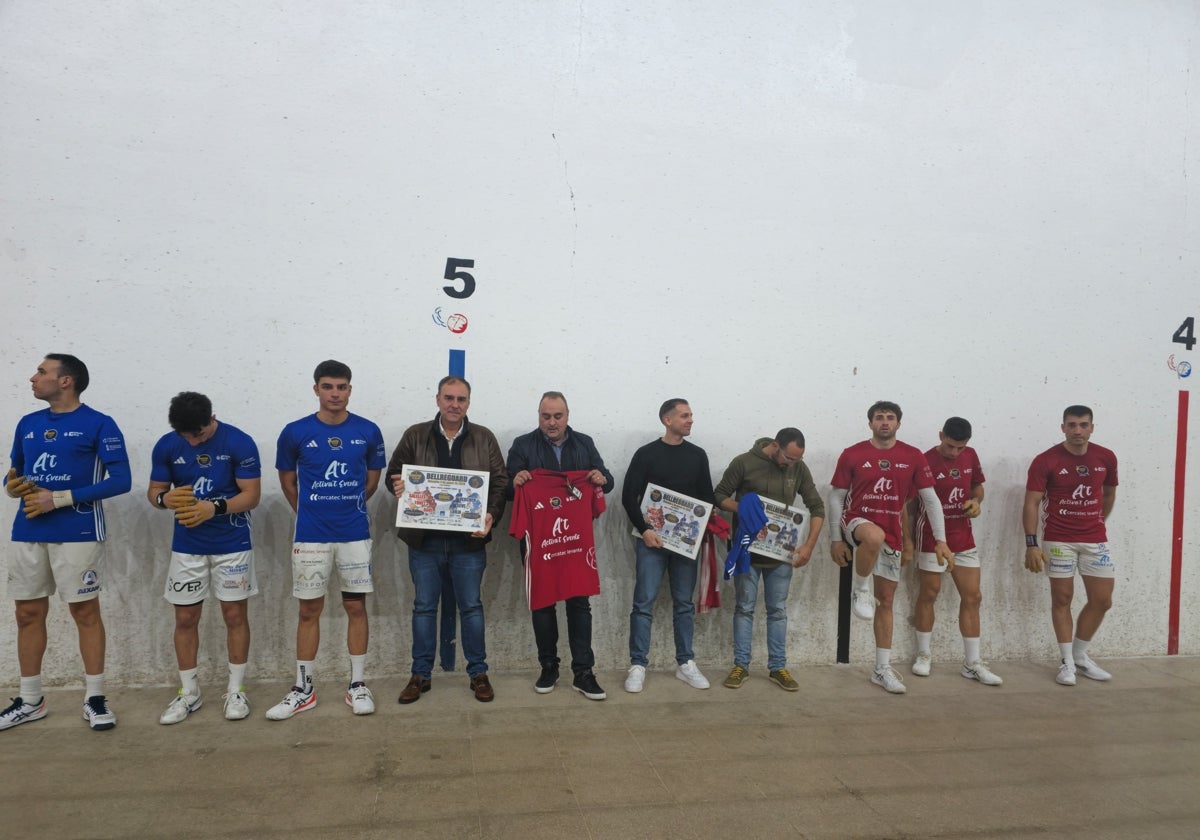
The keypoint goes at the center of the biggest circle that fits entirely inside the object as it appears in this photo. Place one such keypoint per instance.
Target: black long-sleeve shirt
(682, 468)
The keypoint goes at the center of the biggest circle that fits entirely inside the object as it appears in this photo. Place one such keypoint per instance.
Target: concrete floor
(840, 758)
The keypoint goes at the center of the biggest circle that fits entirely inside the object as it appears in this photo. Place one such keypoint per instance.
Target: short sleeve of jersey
(287, 449)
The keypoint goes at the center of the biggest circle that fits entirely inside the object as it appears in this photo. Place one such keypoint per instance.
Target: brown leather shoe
(412, 692)
(482, 688)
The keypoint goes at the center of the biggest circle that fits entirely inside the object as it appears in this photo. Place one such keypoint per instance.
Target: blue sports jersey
(331, 465)
(70, 451)
(211, 469)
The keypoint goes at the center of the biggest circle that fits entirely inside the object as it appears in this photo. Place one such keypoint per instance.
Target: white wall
(782, 212)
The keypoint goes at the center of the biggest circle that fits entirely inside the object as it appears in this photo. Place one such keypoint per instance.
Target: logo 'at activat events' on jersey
(334, 443)
(1081, 469)
(50, 434)
(416, 477)
(885, 464)
(204, 460)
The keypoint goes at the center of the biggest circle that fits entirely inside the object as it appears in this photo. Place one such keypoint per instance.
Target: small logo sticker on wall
(1182, 369)
(456, 323)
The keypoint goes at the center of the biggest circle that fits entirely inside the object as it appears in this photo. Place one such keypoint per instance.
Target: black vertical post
(845, 581)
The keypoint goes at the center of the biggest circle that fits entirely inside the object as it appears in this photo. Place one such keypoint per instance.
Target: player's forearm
(933, 513)
(118, 480)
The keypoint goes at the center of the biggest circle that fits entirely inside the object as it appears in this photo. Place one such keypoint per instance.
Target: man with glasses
(773, 469)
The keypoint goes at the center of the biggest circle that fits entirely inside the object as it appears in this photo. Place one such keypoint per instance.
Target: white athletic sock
(304, 675)
(862, 583)
(31, 689)
(237, 678)
(971, 650)
(190, 682)
(923, 641)
(1079, 648)
(883, 658)
(1067, 654)
(93, 685)
(358, 663)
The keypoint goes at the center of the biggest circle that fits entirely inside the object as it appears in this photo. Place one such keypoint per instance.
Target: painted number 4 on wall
(1185, 335)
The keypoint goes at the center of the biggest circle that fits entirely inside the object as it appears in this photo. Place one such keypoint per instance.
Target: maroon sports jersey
(1074, 492)
(878, 481)
(953, 479)
(556, 525)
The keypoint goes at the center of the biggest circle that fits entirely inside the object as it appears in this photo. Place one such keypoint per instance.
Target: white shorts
(313, 564)
(1063, 559)
(231, 575)
(927, 560)
(72, 568)
(887, 564)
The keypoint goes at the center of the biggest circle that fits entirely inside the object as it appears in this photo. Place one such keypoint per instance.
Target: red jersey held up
(553, 513)
(1073, 485)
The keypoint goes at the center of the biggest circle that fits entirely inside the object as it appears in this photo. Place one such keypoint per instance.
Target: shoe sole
(303, 707)
(544, 689)
(901, 690)
(686, 681)
(190, 711)
(238, 717)
(786, 687)
(971, 675)
(1091, 676)
(350, 703)
(601, 696)
(99, 727)
(30, 718)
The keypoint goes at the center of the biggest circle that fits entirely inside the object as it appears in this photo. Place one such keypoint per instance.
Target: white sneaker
(359, 699)
(636, 679)
(1066, 675)
(293, 703)
(889, 679)
(862, 604)
(21, 712)
(981, 672)
(178, 709)
(1091, 670)
(97, 714)
(690, 674)
(237, 705)
(922, 664)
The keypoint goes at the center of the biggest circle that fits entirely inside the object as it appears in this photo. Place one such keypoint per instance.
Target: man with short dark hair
(773, 469)
(65, 459)
(209, 475)
(872, 481)
(554, 445)
(1071, 489)
(450, 441)
(958, 481)
(329, 465)
(675, 463)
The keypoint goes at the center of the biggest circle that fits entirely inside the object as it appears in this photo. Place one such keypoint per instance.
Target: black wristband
(219, 506)
(1031, 540)
(158, 500)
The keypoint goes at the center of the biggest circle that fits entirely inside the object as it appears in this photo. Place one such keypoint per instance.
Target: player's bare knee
(234, 614)
(355, 604)
(86, 613)
(31, 613)
(311, 609)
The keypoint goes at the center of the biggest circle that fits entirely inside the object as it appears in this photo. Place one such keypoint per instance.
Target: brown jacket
(480, 451)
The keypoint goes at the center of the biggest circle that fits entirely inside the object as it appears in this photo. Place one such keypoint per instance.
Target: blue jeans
(776, 582)
(652, 564)
(442, 551)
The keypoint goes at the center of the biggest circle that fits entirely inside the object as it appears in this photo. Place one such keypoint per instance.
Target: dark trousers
(579, 635)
